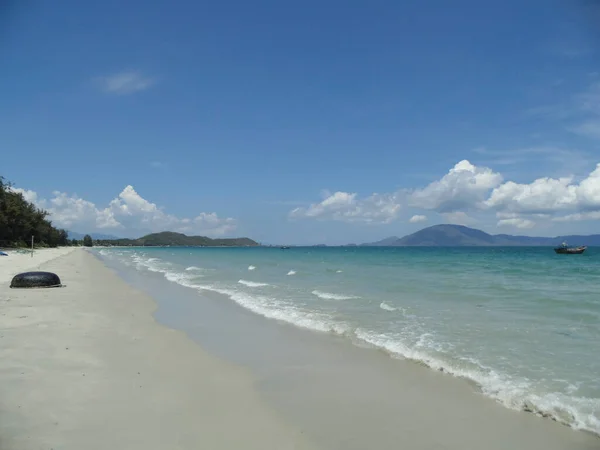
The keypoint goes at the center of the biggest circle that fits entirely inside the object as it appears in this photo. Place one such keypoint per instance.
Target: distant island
(171, 239)
(447, 235)
(95, 236)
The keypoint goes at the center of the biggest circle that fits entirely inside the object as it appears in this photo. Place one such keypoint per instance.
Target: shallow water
(523, 323)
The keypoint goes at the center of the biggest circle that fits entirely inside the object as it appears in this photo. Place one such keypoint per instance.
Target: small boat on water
(564, 249)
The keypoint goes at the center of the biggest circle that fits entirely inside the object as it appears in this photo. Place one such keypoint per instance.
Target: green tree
(74, 242)
(63, 238)
(21, 220)
(87, 241)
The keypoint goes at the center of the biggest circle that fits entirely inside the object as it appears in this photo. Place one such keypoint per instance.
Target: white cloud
(30, 196)
(67, 211)
(467, 188)
(544, 195)
(418, 218)
(126, 82)
(464, 187)
(347, 207)
(577, 217)
(516, 222)
(128, 213)
(548, 195)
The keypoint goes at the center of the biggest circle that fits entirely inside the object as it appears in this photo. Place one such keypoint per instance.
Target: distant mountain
(79, 236)
(168, 238)
(446, 235)
(460, 236)
(383, 243)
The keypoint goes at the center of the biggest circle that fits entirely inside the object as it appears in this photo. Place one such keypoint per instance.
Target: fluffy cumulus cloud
(464, 187)
(469, 188)
(128, 213)
(544, 195)
(68, 211)
(418, 218)
(30, 196)
(550, 197)
(348, 207)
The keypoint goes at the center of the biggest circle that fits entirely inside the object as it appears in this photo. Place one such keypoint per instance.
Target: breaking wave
(252, 283)
(386, 307)
(330, 296)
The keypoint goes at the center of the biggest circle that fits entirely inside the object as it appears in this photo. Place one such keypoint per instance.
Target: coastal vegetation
(168, 238)
(21, 220)
(87, 241)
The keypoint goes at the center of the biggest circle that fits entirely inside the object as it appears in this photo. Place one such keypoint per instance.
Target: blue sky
(280, 120)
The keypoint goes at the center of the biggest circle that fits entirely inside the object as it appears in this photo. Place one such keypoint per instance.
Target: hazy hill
(168, 238)
(446, 235)
(383, 243)
(79, 236)
(458, 235)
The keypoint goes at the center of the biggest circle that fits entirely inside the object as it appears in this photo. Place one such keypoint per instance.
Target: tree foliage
(20, 220)
(87, 241)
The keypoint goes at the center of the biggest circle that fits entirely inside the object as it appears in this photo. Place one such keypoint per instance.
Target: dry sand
(22, 260)
(87, 367)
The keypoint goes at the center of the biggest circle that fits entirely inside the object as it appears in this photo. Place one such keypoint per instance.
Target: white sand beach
(87, 367)
(22, 260)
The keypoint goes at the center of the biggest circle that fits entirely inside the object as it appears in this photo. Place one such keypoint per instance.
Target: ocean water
(522, 323)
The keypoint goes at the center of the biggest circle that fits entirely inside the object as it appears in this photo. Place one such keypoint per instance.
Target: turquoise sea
(522, 323)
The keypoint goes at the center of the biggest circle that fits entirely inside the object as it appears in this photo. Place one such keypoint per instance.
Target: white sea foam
(252, 283)
(330, 296)
(265, 306)
(251, 268)
(514, 393)
(194, 268)
(279, 310)
(338, 271)
(151, 264)
(385, 306)
(180, 278)
(292, 272)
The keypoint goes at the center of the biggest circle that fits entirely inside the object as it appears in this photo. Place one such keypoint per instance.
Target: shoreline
(295, 365)
(494, 386)
(87, 366)
(178, 370)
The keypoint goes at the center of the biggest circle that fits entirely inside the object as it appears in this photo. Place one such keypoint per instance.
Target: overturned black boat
(566, 250)
(35, 280)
